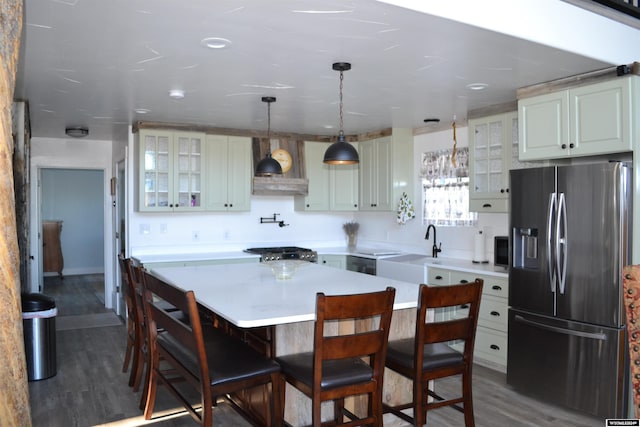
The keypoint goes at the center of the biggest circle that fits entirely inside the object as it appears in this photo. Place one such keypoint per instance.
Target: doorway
(75, 199)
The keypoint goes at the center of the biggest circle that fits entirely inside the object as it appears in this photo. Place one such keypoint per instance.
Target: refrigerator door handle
(595, 336)
(550, 265)
(561, 243)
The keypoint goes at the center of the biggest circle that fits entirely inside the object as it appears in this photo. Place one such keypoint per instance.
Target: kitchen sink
(407, 268)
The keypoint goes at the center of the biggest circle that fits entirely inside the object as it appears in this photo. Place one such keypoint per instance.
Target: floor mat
(82, 321)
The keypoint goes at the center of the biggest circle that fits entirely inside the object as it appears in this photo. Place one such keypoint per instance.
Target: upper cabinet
(493, 150)
(376, 185)
(582, 121)
(229, 173)
(386, 166)
(171, 177)
(331, 187)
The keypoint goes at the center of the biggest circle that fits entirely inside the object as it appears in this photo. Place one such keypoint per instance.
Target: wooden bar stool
(347, 364)
(428, 356)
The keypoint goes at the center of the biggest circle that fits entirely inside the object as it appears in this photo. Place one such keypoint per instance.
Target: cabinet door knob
(230, 205)
(571, 145)
(226, 205)
(564, 146)
(307, 204)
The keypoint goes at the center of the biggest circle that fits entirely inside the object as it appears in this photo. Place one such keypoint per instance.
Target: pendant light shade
(268, 166)
(341, 152)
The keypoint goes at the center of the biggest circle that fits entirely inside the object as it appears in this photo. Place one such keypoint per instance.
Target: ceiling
(94, 63)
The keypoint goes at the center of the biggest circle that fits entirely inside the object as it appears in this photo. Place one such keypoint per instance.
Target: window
(445, 188)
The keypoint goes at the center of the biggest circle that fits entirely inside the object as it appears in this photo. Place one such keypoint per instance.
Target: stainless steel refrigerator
(570, 231)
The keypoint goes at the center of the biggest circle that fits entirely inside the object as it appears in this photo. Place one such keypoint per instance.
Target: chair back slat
(356, 345)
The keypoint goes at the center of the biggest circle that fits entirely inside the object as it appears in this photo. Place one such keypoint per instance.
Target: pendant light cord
(269, 128)
(341, 113)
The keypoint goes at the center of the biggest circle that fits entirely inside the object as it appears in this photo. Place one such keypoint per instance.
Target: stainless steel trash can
(39, 329)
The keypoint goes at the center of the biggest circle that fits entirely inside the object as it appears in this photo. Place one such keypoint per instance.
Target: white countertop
(248, 295)
(150, 258)
(449, 263)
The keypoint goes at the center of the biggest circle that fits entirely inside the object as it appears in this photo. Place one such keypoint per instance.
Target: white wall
(70, 154)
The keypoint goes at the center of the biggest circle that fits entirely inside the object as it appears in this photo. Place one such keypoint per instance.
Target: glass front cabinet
(171, 173)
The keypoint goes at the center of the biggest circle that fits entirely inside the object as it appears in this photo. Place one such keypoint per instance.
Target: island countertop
(248, 295)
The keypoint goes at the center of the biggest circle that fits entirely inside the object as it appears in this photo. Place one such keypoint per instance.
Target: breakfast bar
(249, 296)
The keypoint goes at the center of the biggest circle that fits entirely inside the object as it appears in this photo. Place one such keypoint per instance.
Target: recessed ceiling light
(477, 86)
(215, 42)
(176, 93)
(142, 110)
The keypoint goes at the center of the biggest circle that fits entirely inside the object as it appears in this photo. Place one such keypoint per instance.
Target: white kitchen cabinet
(386, 167)
(493, 143)
(171, 173)
(335, 261)
(331, 187)
(229, 173)
(376, 185)
(583, 121)
(491, 336)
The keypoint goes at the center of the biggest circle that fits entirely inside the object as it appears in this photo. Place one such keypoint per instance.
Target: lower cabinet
(491, 336)
(335, 261)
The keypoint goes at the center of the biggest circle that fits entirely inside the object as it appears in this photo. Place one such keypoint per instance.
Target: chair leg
(277, 403)
(127, 354)
(151, 390)
(469, 419)
(282, 387)
(338, 406)
(138, 361)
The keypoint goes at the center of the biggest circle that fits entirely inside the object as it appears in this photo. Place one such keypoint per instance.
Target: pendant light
(341, 152)
(268, 166)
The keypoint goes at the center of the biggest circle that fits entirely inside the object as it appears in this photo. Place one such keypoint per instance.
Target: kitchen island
(249, 296)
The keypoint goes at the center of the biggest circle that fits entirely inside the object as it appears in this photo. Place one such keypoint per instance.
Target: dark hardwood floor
(90, 388)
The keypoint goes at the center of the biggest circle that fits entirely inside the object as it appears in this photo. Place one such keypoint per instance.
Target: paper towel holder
(479, 249)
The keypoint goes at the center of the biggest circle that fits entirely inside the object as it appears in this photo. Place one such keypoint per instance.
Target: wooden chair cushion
(401, 352)
(228, 358)
(336, 373)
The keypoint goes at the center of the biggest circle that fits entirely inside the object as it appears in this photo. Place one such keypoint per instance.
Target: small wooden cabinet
(582, 121)
(53, 261)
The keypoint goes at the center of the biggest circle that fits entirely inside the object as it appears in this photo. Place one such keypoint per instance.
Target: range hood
(292, 182)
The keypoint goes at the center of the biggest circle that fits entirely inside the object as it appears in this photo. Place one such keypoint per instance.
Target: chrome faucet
(435, 249)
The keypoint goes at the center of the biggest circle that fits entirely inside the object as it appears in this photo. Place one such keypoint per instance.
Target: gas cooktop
(284, 252)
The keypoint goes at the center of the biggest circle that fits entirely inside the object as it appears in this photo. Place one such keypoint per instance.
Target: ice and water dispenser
(525, 248)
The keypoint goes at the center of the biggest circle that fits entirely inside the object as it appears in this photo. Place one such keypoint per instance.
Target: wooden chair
(427, 356)
(133, 352)
(343, 365)
(213, 362)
